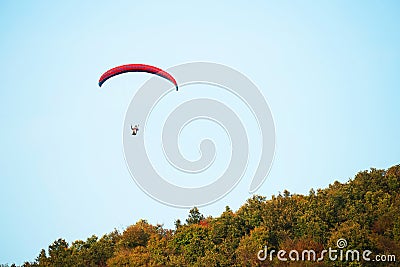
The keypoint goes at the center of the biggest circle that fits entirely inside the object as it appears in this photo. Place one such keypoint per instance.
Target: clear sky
(329, 71)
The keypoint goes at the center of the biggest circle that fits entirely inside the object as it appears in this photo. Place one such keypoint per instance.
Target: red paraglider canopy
(136, 68)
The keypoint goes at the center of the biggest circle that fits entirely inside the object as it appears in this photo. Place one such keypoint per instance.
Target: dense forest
(365, 211)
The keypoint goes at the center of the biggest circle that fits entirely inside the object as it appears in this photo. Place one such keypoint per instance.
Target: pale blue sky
(329, 70)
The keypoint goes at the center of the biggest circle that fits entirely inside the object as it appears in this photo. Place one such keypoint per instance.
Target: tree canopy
(365, 211)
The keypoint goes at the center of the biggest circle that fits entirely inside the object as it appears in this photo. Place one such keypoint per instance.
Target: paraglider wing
(136, 68)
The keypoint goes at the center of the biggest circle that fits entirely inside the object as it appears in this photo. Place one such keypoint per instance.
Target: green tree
(194, 216)
(59, 254)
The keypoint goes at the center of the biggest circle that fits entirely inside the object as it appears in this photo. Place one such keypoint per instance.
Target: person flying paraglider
(137, 68)
(135, 129)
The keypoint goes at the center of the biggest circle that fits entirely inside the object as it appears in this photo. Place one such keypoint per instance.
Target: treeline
(365, 211)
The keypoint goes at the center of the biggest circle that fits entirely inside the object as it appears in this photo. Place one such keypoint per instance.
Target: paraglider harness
(135, 129)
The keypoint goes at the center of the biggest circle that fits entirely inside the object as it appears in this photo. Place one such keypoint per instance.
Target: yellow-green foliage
(365, 211)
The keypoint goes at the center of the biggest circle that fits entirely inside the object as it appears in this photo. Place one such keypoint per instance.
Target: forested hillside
(365, 211)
